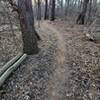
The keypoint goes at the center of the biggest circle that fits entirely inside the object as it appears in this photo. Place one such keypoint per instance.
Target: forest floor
(66, 68)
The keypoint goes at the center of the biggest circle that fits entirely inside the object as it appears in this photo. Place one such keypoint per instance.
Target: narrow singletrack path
(56, 84)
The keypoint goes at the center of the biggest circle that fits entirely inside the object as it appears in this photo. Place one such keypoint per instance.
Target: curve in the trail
(56, 83)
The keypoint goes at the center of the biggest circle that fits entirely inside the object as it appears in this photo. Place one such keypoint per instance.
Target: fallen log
(6, 74)
(7, 65)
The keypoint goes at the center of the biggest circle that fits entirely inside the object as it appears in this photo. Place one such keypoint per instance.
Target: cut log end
(90, 37)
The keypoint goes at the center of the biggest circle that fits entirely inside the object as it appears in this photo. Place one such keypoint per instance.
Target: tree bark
(67, 7)
(39, 10)
(90, 9)
(53, 10)
(62, 4)
(81, 17)
(26, 18)
(46, 10)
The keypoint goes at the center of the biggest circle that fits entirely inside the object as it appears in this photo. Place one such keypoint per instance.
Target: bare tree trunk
(89, 14)
(62, 4)
(53, 10)
(39, 10)
(66, 7)
(26, 18)
(79, 4)
(39, 13)
(81, 17)
(46, 10)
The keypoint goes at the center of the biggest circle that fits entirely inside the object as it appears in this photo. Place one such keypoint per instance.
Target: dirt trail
(56, 83)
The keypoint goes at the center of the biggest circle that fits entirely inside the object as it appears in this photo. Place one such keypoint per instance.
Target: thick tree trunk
(81, 17)
(53, 10)
(26, 18)
(46, 10)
